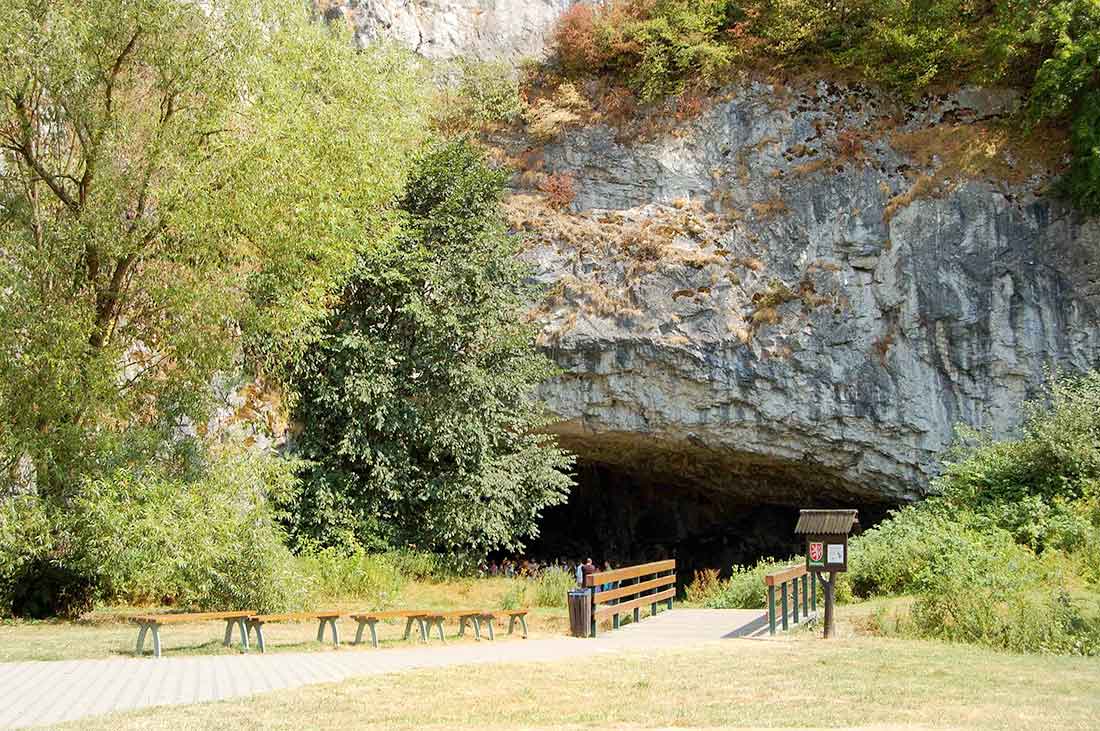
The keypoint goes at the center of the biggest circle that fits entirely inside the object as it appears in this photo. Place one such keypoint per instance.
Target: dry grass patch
(952, 153)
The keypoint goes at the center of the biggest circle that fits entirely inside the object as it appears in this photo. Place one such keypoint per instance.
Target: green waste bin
(580, 612)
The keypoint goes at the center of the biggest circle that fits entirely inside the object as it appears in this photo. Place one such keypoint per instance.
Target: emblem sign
(817, 553)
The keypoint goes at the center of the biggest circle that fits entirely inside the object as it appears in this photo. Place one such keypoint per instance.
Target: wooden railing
(629, 592)
(792, 577)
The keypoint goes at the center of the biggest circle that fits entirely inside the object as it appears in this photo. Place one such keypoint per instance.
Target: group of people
(520, 567)
(528, 567)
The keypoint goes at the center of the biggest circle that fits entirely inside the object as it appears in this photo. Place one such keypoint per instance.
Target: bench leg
(477, 628)
(335, 632)
(489, 624)
(439, 626)
(156, 640)
(244, 634)
(523, 624)
(320, 630)
(373, 633)
(461, 626)
(511, 623)
(258, 626)
(228, 632)
(408, 627)
(359, 632)
(425, 630)
(141, 640)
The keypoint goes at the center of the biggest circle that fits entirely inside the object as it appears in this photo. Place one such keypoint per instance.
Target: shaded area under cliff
(632, 511)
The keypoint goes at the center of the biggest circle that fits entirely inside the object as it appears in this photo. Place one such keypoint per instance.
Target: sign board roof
(817, 522)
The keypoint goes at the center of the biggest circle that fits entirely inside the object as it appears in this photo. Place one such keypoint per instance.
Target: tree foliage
(416, 402)
(176, 178)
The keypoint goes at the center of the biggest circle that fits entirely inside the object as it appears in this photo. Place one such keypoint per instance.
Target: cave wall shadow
(614, 515)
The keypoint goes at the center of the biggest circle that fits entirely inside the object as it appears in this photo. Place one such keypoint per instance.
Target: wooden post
(813, 593)
(592, 599)
(830, 590)
(805, 598)
(771, 610)
(783, 599)
(794, 597)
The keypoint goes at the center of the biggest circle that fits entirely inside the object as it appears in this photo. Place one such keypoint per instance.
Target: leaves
(417, 399)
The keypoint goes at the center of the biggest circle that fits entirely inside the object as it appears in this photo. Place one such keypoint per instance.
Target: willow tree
(179, 183)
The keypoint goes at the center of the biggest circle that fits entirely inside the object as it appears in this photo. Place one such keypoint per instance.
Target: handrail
(793, 575)
(632, 593)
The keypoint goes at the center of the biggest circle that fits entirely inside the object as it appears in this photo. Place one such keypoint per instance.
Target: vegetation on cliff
(657, 47)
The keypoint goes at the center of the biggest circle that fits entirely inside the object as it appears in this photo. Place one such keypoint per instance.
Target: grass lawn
(799, 681)
(106, 633)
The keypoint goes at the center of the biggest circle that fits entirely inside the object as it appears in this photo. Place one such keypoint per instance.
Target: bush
(487, 92)
(207, 544)
(552, 587)
(377, 578)
(142, 537)
(745, 588)
(26, 538)
(43, 588)
(997, 599)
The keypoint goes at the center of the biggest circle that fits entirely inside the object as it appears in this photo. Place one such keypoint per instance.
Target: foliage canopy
(416, 401)
(172, 186)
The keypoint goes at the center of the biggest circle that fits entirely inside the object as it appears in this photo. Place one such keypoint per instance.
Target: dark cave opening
(623, 517)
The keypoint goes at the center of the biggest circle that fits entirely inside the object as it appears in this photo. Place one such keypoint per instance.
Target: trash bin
(580, 612)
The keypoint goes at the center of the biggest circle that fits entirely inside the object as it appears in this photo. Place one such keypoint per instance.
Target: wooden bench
(257, 622)
(512, 615)
(464, 617)
(370, 619)
(153, 622)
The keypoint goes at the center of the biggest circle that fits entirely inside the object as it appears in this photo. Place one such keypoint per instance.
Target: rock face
(444, 29)
(797, 296)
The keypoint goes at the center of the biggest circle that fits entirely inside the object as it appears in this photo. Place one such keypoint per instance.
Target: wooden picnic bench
(426, 619)
(257, 622)
(153, 622)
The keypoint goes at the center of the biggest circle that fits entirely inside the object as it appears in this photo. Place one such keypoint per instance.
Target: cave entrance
(621, 516)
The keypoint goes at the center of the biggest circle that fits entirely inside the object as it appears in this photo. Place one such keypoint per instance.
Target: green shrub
(745, 588)
(144, 537)
(997, 599)
(377, 578)
(26, 537)
(516, 595)
(552, 586)
(206, 544)
(486, 92)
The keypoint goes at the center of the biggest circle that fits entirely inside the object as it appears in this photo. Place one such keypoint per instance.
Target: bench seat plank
(292, 616)
(195, 617)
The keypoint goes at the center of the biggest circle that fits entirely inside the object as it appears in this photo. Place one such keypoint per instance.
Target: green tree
(416, 403)
(176, 178)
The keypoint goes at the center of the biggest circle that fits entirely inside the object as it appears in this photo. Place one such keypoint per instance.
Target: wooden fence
(791, 577)
(629, 589)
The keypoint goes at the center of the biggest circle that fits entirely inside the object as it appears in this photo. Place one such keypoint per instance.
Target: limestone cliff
(794, 292)
(444, 29)
(797, 295)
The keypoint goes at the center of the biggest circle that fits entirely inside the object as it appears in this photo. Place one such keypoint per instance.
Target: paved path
(42, 693)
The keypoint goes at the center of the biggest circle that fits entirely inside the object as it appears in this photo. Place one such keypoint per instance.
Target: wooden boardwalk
(44, 693)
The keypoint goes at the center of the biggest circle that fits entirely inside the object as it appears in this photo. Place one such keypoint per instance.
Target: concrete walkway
(43, 693)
